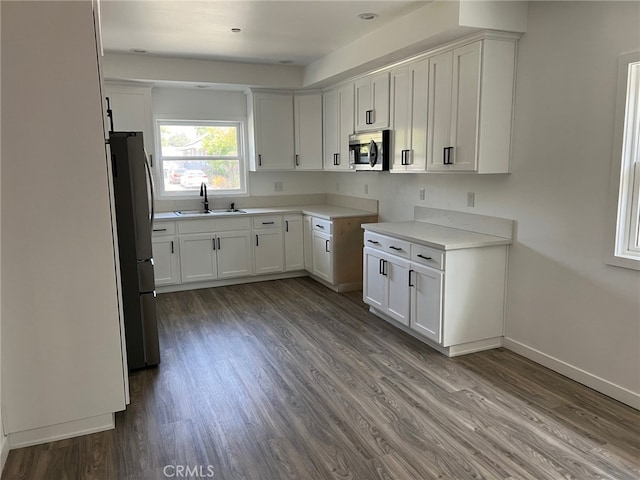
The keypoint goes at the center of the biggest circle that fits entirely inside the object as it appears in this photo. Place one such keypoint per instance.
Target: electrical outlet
(366, 188)
(277, 186)
(471, 199)
(422, 193)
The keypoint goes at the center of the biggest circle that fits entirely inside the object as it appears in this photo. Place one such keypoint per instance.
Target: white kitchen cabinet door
(409, 100)
(426, 302)
(234, 254)
(322, 256)
(308, 243)
(374, 284)
(338, 118)
(293, 243)
(268, 250)
(439, 128)
(271, 118)
(131, 107)
(198, 257)
(396, 272)
(308, 131)
(166, 261)
(372, 102)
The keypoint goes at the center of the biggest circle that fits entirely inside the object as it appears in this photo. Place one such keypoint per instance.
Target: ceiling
(273, 32)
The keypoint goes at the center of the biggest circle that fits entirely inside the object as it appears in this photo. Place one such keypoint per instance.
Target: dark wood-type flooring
(289, 380)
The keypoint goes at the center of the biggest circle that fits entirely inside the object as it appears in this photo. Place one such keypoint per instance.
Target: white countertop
(437, 236)
(327, 212)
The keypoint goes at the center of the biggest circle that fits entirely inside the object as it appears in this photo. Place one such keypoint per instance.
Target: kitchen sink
(202, 213)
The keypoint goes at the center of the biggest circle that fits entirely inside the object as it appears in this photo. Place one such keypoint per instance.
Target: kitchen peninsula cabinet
(471, 107)
(446, 286)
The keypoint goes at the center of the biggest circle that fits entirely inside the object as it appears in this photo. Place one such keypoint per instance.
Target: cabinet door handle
(447, 156)
(297, 160)
(337, 159)
(397, 249)
(374, 242)
(219, 243)
(172, 246)
(286, 225)
(380, 267)
(422, 256)
(410, 284)
(259, 160)
(257, 241)
(159, 229)
(213, 240)
(384, 267)
(326, 246)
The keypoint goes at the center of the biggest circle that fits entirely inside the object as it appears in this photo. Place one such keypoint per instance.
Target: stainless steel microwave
(370, 151)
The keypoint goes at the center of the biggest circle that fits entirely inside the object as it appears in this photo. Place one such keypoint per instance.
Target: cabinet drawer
(164, 228)
(274, 221)
(431, 257)
(231, 224)
(197, 226)
(392, 245)
(322, 225)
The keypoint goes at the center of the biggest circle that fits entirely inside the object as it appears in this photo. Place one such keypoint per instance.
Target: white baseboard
(181, 287)
(4, 452)
(574, 373)
(61, 431)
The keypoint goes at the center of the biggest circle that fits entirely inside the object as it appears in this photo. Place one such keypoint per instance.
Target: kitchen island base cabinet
(453, 300)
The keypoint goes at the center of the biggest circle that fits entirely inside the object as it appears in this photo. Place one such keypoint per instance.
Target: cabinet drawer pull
(426, 258)
(268, 223)
(374, 242)
(320, 226)
(159, 229)
(397, 249)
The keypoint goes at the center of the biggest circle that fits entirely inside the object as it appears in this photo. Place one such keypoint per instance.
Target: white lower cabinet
(166, 261)
(293, 243)
(322, 257)
(198, 257)
(454, 299)
(426, 301)
(386, 284)
(268, 245)
(233, 251)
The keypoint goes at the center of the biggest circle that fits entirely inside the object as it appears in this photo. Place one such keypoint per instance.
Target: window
(196, 152)
(626, 165)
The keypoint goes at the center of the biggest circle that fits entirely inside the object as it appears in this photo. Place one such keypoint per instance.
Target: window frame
(239, 123)
(623, 249)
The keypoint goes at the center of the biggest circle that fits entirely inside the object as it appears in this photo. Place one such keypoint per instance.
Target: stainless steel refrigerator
(133, 191)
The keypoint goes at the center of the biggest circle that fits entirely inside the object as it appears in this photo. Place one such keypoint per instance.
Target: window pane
(185, 175)
(199, 140)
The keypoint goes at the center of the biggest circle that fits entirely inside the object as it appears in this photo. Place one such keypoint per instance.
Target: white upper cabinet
(131, 110)
(409, 87)
(471, 107)
(307, 114)
(270, 130)
(338, 125)
(372, 102)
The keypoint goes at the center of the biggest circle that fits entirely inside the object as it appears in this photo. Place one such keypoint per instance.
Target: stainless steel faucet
(203, 193)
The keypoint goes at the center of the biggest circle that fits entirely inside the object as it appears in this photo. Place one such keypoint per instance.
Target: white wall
(213, 104)
(562, 300)
(61, 352)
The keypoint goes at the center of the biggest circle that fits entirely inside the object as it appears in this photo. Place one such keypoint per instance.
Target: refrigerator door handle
(152, 192)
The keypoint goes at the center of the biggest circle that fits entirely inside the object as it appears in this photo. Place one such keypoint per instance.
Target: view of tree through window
(192, 154)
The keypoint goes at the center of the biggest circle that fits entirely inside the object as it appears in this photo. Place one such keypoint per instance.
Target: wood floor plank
(289, 380)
